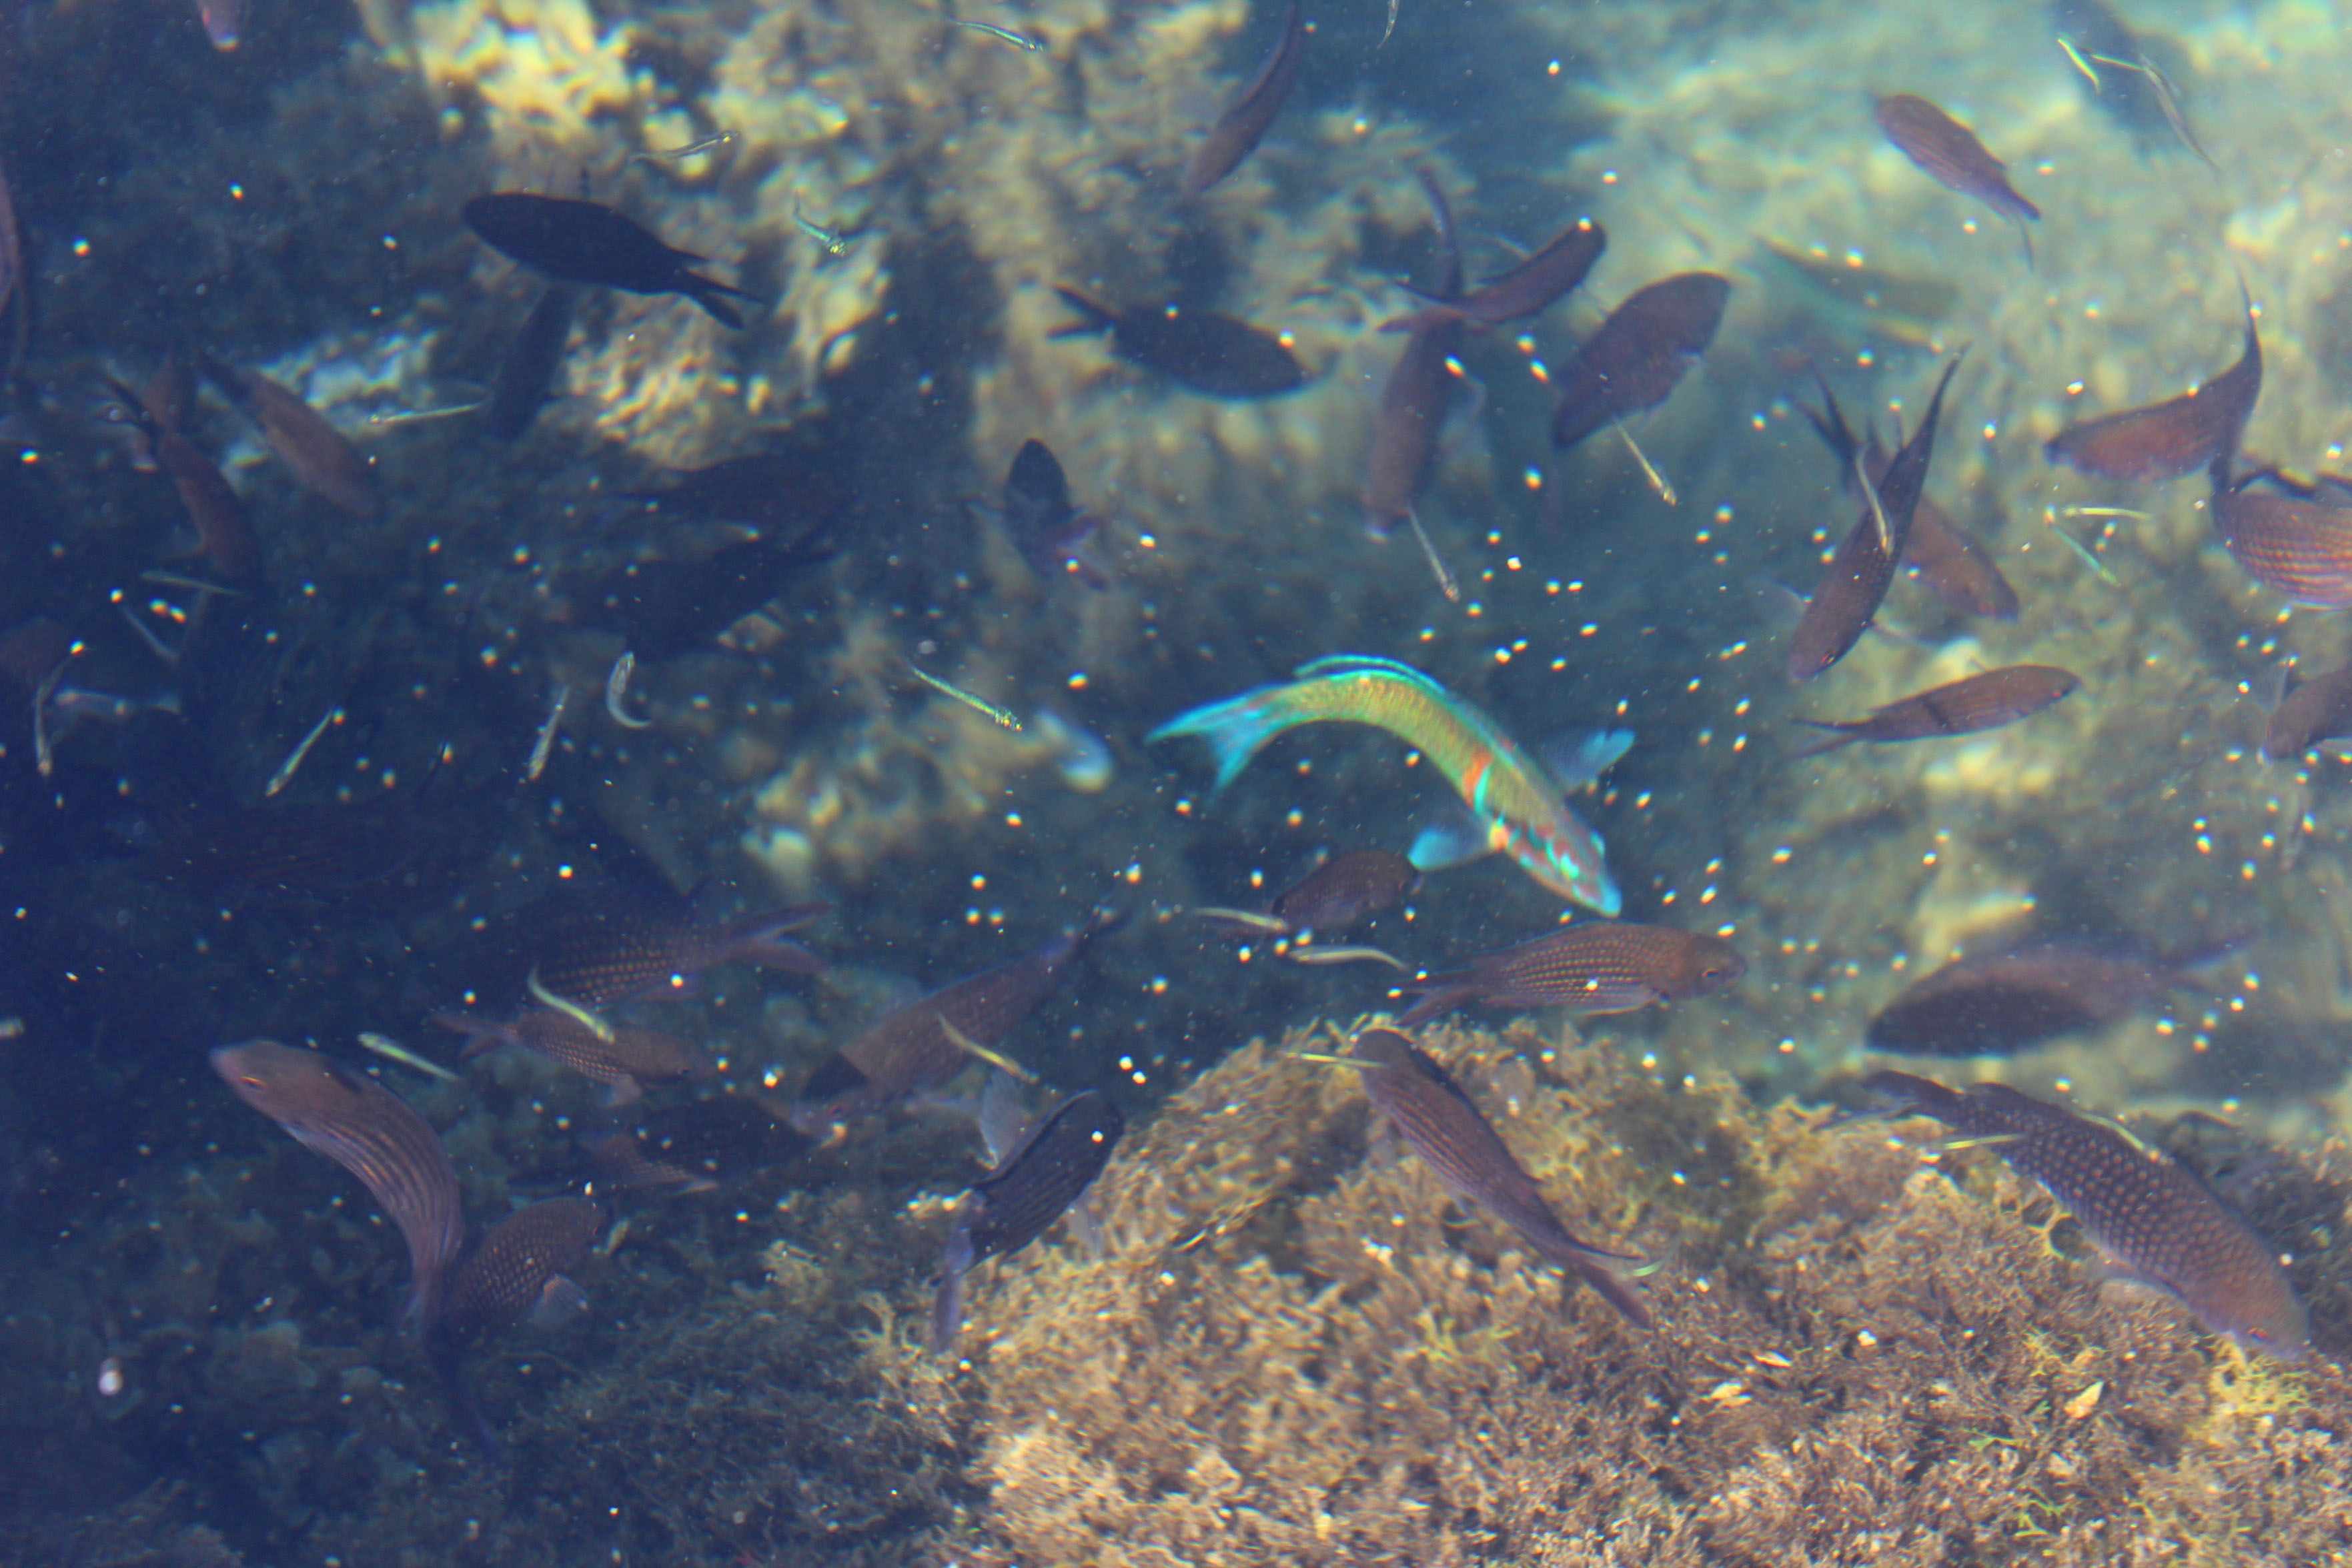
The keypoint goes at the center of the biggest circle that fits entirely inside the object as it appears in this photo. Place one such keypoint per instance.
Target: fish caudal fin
(1237, 730)
(1095, 316)
(1839, 738)
(760, 940)
(1442, 994)
(1610, 1287)
(712, 296)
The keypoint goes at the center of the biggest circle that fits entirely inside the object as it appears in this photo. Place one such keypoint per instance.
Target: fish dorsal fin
(1363, 663)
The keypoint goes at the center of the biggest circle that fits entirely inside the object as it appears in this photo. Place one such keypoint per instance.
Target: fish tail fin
(1829, 423)
(1441, 994)
(1613, 1289)
(2025, 237)
(1094, 315)
(482, 1035)
(760, 939)
(1841, 735)
(1237, 730)
(712, 295)
(1890, 1093)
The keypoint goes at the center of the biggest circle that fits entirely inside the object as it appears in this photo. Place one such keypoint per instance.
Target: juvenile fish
(2145, 1211)
(2298, 545)
(625, 1060)
(2169, 440)
(1979, 702)
(1950, 153)
(224, 538)
(1239, 128)
(1524, 290)
(1210, 352)
(1472, 1163)
(1517, 807)
(1045, 525)
(1016, 1203)
(528, 372)
(921, 1046)
(325, 464)
(2000, 1002)
(2319, 710)
(369, 1131)
(1639, 355)
(1590, 967)
(1942, 555)
(596, 960)
(519, 1268)
(582, 242)
(1859, 574)
(1416, 396)
(1346, 891)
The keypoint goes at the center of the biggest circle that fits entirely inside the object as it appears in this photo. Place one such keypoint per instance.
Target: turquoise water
(355, 746)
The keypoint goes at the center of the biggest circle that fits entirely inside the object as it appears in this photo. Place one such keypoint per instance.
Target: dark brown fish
(2145, 1212)
(1862, 570)
(597, 960)
(526, 375)
(363, 1127)
(1041, 520)
(2319, 710)
(167, 397)
(915, 1047)
(626, 1062)
(1942, 555)
(2297, 545)
(1013, 1205)
(1346, 891)
(519, 1268)
(1415, 397)
(1593, 967)
(1206, 350)
(2169, 440)
(582, 242)
(1973, 703)
(305, 441)
(1473, 1164)
(1997, 1003)
(696, 1147)
(1524, 291)
(223, 538)
(1639, 354)
(785, 492)
(31, 651)
(1239, 128)
(1950, 153)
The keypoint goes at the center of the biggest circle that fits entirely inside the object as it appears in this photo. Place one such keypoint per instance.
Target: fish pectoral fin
(560, 1301)
(1457, 840)
(1578, 759)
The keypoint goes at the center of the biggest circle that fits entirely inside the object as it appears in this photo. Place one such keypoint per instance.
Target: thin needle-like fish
(568, 1008)
(2075, 56)
(546, 742)
(392, 1050)
(2162, 86)
(1021, 41)
(45, 760)
(286, 771)
(1446, 583)
(672, 155)
(833, 242)
(978, 704)
(1358, 955)
(1657, 480)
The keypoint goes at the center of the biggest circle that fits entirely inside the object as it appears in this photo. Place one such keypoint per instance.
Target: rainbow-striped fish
(1519, 807)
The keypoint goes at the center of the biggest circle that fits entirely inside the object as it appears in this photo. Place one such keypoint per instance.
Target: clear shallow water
(902, 196)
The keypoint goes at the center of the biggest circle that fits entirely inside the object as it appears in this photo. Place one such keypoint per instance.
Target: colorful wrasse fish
(1518, 805)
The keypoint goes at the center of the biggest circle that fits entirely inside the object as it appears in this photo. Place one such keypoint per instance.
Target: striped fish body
(1591, 967)
(915, 1047)
(1979, 702)
(518, 1264)
(1519, 805)
(2319, 710)
(2145, 1211)
(2297, 548)
(627, 1062)
(369, 1131)
(600, 960)
(1047, 1173)
(1950, 153)
(2172, 439)
(1445, 1128)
